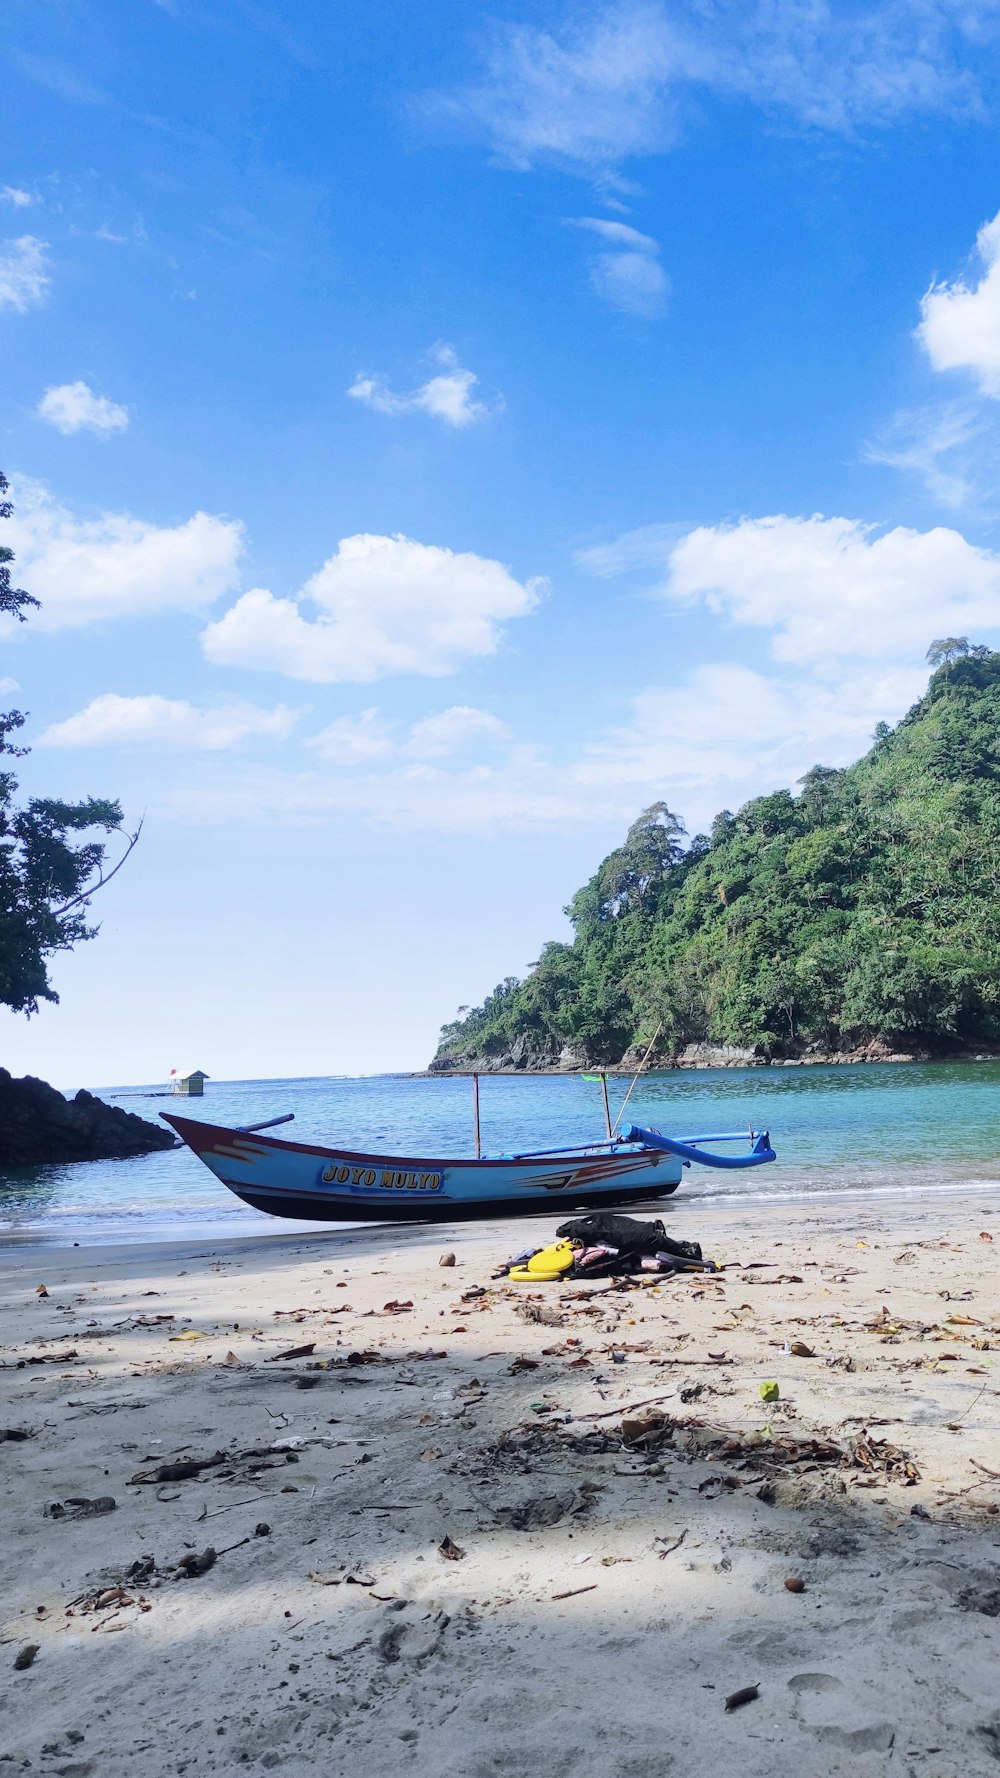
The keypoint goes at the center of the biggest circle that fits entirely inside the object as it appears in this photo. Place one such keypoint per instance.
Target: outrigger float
(315, 1184)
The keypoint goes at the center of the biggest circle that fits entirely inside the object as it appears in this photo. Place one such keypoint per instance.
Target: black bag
(632, 1238)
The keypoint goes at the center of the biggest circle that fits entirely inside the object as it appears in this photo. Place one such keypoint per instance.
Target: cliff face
(855, 918)
(521, 1058)
(39, 1127)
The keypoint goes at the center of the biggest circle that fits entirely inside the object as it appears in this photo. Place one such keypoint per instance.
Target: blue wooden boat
(301, 1180)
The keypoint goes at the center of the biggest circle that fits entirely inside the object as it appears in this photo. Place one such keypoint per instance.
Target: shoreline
(48, 1238)
(621, 1567)
(681, 1064)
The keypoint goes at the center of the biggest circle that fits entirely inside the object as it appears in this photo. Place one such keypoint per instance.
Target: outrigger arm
(690, 1148)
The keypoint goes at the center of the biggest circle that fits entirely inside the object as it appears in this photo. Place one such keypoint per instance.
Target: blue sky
(437, 433)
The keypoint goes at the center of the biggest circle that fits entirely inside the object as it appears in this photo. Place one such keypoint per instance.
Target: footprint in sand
(410, 1632)
(823, 1705)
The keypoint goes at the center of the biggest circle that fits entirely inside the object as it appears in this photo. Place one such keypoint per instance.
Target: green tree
(51, 862)
(947, 649)
(867, 907)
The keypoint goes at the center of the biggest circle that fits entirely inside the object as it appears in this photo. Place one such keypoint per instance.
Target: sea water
(866, 1129)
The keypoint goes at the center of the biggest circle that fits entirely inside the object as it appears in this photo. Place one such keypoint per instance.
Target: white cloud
(632, 282)
(23, 277)
(614, 82)
(114, 721)
(618, 234)
(950, 447)
(647, 547)
(446, 396)
(453, 730)
(628, 274)
(8, 684)
(519, 796)
(359, 740)
(848, 613)
(960, 324)
(383, 605)
(12, 194)
(355, 740)
(728, 732)
(833, 589)
(73, 407)
(590, 96)
(705, 742)
(116, 565)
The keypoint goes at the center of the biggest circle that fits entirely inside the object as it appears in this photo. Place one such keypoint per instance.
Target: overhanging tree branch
(86, 894)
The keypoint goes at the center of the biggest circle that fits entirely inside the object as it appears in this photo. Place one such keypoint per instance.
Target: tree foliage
(867, 906)
(51, 861)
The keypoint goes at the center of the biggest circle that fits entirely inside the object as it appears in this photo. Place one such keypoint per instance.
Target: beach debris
(746, 1695)
(26, 1656)
(103, 1600)
(446, 1259)
(880, 1457)
(450, 1550)
(187, 1467)
(293, 1352)
(769, 1392)
(190, 1333)
(795, 1584)
(671, 1547)
(77, 1506)
(48, 1357)
(397, 1308)
(342, 1579)
(40, 1290)
(763, 1453)
(799, 1349)
(263, 1529)
(177, 1472)
(16, 1434)
(984, 1235)
(650, 1401)
(574, 1591)
(193, 1564)
(540, 1312)
(983, 1599)
(539, 1511)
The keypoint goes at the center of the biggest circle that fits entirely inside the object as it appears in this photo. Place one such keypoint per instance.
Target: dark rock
(39, 1126)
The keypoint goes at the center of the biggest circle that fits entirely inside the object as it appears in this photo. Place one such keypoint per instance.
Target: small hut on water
(189, 1081)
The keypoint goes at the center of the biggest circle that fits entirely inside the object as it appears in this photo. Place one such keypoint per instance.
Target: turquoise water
(878, 1128)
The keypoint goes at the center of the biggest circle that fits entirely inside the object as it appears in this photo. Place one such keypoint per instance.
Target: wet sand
(497, 1544)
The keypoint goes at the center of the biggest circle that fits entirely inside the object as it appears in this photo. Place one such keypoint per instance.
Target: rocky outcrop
(521, 1058)
(38, 1126)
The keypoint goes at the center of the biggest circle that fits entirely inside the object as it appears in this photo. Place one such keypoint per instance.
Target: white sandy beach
(613, 1587)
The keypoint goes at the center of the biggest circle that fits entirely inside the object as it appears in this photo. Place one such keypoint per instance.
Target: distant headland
(858, 920)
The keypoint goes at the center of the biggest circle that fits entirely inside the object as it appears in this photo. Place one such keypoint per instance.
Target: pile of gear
(605, 1246)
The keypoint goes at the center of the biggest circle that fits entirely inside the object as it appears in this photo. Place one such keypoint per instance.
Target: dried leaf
(745, 1695)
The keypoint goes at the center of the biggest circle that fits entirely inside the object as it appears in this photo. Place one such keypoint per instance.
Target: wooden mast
(475, 1116)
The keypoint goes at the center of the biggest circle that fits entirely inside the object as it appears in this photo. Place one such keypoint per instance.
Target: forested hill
(860, 914)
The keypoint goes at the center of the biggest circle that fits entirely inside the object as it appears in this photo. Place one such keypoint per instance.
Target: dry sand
(613, 1588)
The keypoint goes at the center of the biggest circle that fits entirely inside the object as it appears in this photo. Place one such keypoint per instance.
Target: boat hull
(314, 1184)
